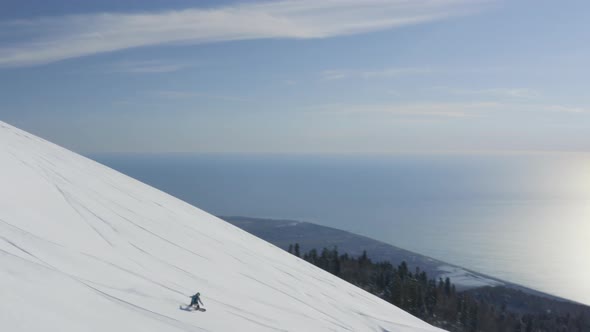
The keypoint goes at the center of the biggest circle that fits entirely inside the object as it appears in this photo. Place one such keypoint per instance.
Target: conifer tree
(448, 286)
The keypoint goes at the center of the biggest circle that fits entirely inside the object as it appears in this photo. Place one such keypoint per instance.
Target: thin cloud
(368, 74)
(418, 109)
(568, 109)
(179, 95)
(447, 109)
(148, 67)
(498, 92)
(388, 72)
(50, 39)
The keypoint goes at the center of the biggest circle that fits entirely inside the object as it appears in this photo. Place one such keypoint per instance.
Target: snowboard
(192, 309)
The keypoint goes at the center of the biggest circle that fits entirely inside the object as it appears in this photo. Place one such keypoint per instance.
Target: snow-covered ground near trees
(85, 248)
(465, 279)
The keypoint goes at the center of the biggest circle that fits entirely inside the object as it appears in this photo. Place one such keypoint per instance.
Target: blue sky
(372, 76)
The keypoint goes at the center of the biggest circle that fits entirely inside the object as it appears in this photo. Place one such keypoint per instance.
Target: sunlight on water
(537, 235)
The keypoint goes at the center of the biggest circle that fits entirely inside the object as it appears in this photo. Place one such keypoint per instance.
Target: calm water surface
(525, 219)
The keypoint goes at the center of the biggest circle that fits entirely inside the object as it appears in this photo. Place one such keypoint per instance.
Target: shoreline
(305, 233)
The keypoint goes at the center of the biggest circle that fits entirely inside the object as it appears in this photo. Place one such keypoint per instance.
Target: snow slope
(85, 248)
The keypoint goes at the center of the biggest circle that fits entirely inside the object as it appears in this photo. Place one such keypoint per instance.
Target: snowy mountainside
(85, 248)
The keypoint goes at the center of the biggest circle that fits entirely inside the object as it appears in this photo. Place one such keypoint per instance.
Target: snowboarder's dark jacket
(195, 300)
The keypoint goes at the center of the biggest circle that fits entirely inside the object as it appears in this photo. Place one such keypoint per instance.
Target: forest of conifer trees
(488, 309)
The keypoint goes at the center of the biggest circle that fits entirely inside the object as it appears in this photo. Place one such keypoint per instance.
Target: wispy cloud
(388, 72)
(339, 74)
(568, 109)
(148, 66)
(449, 109)
(496, 92)
(179, 95)
(417, 109)
(50, 39)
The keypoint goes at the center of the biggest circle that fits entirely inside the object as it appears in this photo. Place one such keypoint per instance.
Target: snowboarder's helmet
(198, 294)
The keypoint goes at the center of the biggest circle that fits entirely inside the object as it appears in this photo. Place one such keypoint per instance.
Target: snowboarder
(195, 300)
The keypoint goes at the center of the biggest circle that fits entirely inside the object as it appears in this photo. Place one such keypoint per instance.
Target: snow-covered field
(85, 248)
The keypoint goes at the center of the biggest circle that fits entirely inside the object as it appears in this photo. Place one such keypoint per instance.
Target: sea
(523, 218)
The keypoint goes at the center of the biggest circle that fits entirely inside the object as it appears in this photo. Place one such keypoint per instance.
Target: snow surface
(464, 279)
(85, 248)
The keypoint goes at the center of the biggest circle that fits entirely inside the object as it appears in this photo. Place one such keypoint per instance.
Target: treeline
(437, 301)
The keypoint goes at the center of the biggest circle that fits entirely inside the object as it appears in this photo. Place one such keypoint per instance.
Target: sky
(340, 76)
